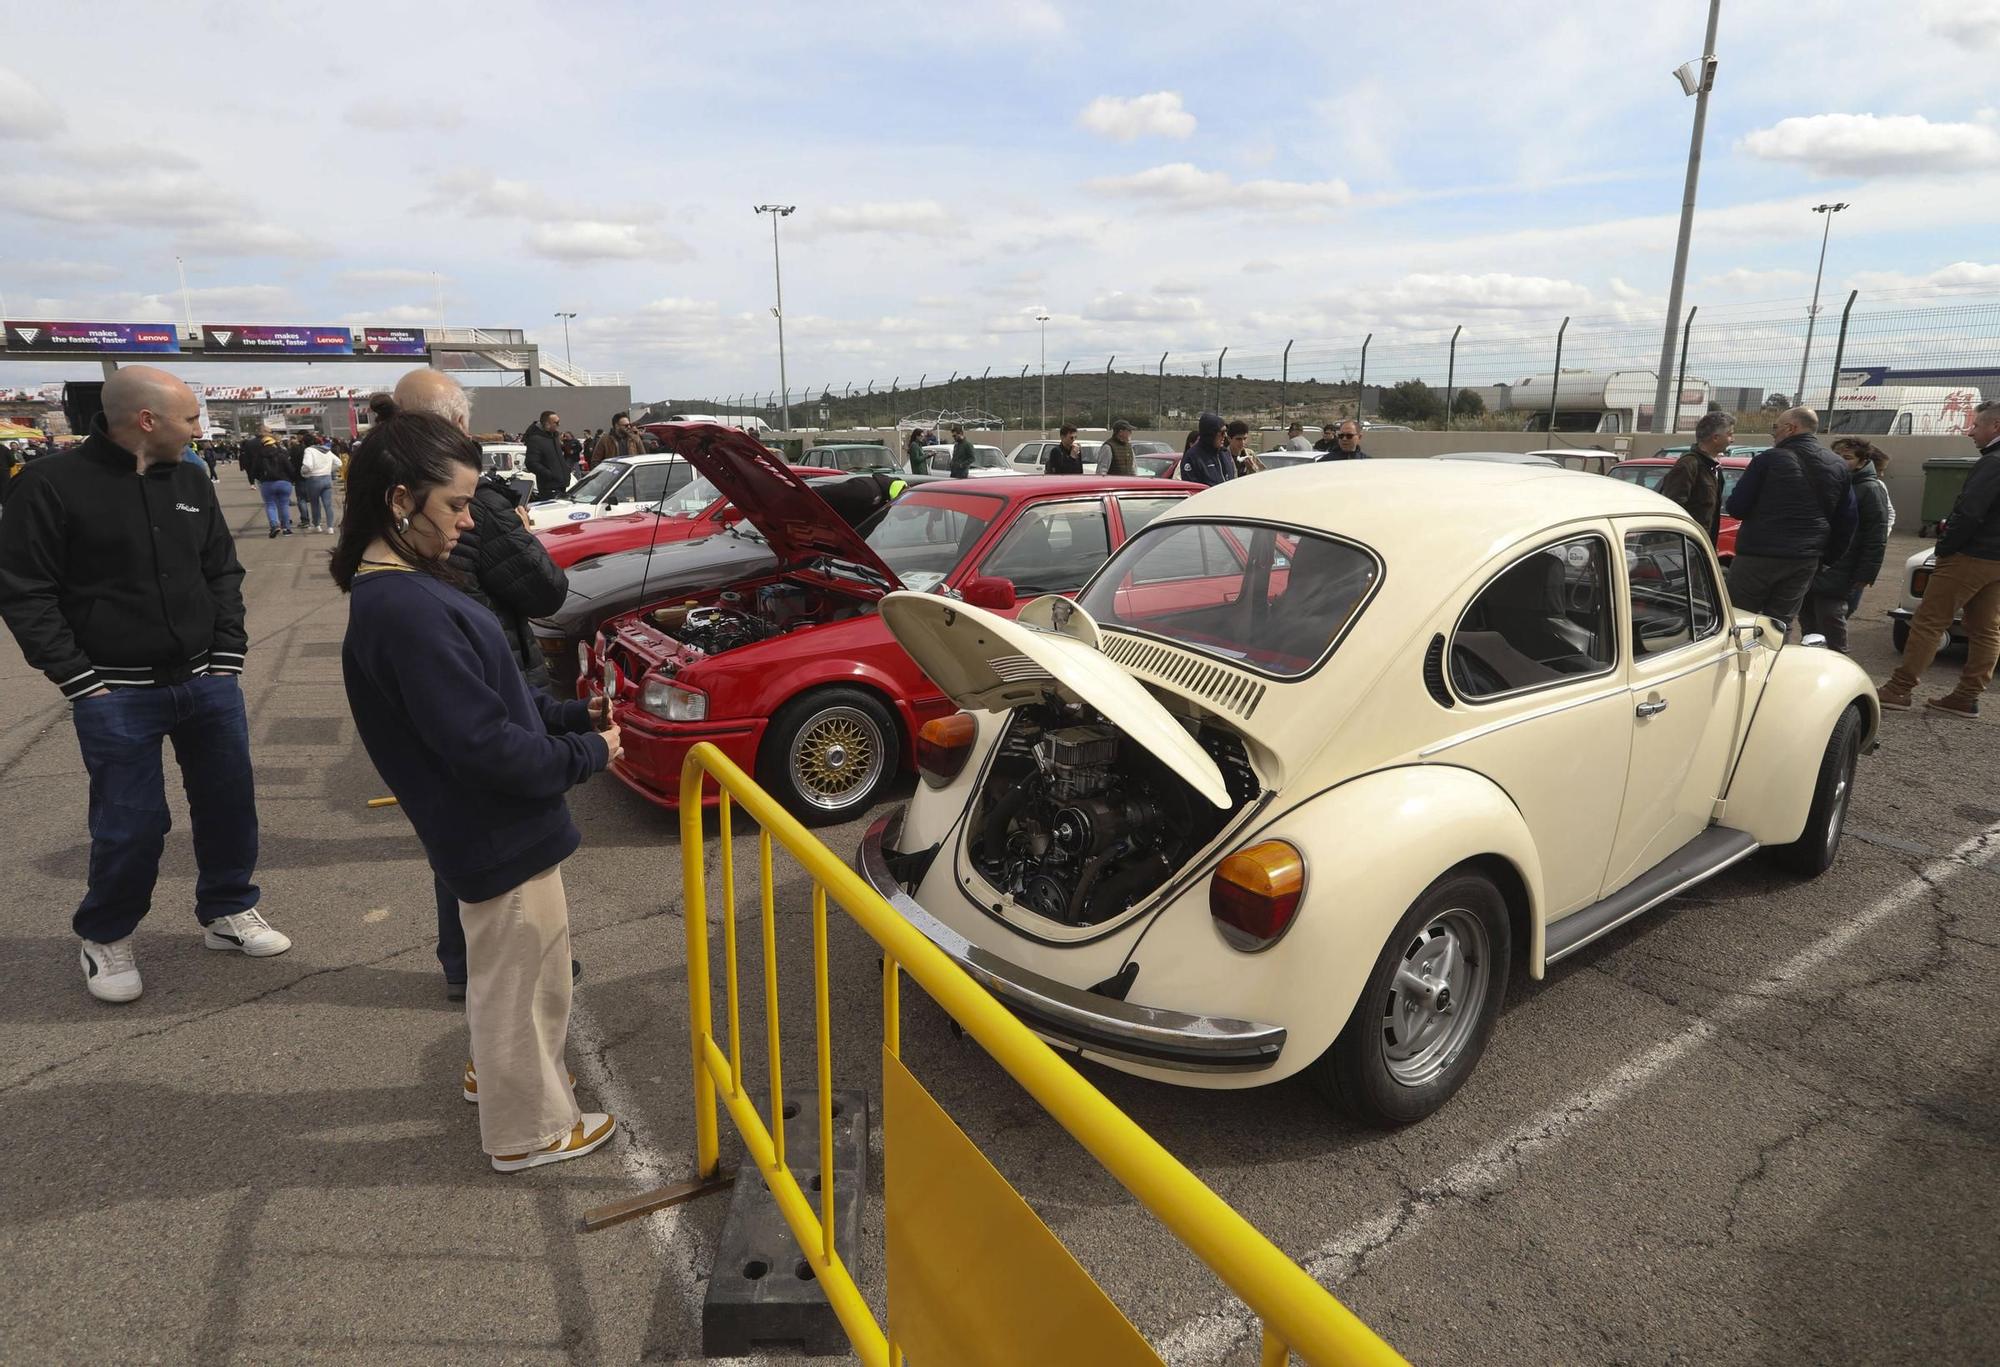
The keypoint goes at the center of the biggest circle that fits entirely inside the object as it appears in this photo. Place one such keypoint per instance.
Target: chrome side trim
(1071, 1016)
(1701, 876)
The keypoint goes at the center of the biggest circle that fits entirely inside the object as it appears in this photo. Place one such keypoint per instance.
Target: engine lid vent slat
(1229, 689)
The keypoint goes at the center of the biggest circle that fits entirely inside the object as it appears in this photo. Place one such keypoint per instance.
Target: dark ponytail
(417, 451)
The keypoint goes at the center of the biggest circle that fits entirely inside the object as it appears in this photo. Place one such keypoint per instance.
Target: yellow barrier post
(1297, 1314)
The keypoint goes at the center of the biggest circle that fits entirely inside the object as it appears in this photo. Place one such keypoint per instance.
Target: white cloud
(66, 270)
(126, 156)
(389, 279)
(1959, 278)
(1182, 185)
(220, 304)
(25, 112)
(585, 240)
(1158, 115)
(1751, 284)
(402, 116)
(1466, 297)
(232, 237)
(150, 199)
(1876, 145)
(1120, 307)
(417, 315)
(1975, 23)
(923, 217)
(482, 194)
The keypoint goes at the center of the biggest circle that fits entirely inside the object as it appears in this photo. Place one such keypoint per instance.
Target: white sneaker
(246, 931)
(111, 972)
(588, 1133)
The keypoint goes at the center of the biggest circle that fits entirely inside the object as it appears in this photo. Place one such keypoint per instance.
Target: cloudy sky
(1157, 176)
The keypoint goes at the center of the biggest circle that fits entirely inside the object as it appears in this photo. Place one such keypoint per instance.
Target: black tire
(829, 754)
(1812, 854)
(1899, 633)
(1362, 1073)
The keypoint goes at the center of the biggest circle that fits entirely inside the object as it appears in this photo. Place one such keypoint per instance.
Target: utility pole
(778, 211)
(566, 317)
(1812, 314)
(1697, 82)
(187, 306)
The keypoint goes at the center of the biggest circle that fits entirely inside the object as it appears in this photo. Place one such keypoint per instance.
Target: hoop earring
(402, 524)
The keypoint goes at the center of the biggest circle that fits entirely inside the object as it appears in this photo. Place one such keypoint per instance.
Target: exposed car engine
(1076, 823)
(745, 617)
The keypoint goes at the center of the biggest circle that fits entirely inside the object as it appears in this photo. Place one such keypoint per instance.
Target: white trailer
(1602, 401)
(1900, 411)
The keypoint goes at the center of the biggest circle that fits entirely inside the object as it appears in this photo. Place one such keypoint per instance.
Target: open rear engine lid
(985, 662)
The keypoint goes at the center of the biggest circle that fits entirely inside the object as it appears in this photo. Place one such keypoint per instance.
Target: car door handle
(1653, 708)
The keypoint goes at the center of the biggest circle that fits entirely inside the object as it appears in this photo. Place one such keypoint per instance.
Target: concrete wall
(1905, 478)
(513, 408)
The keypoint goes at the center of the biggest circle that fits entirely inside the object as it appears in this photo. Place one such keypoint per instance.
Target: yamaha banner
(394, 342)
(92, 337)
(279, 341)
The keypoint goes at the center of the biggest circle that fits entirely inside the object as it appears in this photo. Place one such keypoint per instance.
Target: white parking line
(1213, 1334)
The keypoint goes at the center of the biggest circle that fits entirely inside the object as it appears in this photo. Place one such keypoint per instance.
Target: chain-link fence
(1753, 360)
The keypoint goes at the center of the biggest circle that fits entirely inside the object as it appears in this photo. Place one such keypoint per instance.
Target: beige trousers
(517, 1005)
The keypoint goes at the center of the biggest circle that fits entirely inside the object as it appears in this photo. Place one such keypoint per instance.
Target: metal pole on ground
(1160, 402)
(1697, 85)
(1042, 317)
(1839, 355)
(1680, 383)
(1556, 375)
(1361, 384)
(1062, 394)
(1451, 375)
(1285, 377)
(1107, 390)
(778, 211)
(1218, 378)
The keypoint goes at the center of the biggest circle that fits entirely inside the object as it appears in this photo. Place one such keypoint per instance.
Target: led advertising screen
(94, 337)
(276, 340)
(394, 342)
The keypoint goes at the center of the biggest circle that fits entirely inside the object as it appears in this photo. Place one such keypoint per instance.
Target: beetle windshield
(1270, 598)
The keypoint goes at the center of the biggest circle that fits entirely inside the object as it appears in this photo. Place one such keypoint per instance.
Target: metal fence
(1752, 356)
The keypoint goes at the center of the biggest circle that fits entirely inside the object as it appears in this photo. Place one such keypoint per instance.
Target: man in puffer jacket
(1798, 514)
(1835, 586)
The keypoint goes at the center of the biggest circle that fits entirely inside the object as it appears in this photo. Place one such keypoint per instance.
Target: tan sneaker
(1954, 705)
(589, 1133)
(1892, 698)
(469, 1089)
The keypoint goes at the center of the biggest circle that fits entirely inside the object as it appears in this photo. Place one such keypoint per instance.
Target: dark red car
(694, 510)
(1650, 470)
(792, 673)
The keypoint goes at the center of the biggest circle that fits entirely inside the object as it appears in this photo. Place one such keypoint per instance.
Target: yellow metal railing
(1298, 1315)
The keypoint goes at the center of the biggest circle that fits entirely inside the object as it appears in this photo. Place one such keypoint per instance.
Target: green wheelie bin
(1943, 478)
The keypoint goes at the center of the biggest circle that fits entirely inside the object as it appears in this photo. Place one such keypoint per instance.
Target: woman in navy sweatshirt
(479, 763)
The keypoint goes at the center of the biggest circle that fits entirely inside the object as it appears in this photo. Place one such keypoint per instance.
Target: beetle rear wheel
(1424, 1017)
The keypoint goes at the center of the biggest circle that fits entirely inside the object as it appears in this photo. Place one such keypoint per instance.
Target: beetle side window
(1672, 593)
(1545, 619)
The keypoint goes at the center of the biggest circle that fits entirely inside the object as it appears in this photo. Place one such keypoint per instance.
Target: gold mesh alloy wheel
(836, 757)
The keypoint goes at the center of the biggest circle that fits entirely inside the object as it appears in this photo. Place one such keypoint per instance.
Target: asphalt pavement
(1757, 1125)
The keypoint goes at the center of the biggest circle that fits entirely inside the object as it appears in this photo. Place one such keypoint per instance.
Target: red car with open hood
(791, 672)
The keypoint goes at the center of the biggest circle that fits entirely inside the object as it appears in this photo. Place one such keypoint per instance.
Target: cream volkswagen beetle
(1312, 763)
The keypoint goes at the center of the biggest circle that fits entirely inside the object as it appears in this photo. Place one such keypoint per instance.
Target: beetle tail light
(1255, 893)
(943, 746)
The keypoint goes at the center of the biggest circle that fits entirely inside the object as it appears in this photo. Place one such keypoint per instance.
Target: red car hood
(794, 520)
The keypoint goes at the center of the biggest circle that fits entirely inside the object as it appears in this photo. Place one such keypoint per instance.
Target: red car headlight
(672, 701)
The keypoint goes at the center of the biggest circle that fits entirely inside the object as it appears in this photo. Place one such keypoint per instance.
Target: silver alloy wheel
(1437, 997)
(836, 758)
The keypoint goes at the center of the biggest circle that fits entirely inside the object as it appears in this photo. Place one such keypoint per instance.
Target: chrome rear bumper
(1071, 1016)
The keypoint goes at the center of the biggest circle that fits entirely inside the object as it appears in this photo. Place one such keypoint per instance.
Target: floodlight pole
(1812, 314)
(1042, 317)
(1665, 378)
(778, 211)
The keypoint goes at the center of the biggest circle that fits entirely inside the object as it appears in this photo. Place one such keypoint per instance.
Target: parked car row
(1152, 731)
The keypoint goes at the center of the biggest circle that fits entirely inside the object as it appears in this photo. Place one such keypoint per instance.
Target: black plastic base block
(762, 1295)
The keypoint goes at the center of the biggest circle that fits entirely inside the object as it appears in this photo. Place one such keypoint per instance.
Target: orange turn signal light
(1255, 893)
(943, 746)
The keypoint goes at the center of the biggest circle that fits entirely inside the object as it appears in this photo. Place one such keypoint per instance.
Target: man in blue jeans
(119, 579)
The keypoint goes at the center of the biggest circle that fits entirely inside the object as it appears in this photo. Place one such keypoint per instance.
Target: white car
(1916, 577)
(1300, 776)
(986, 461)
(624, 485)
